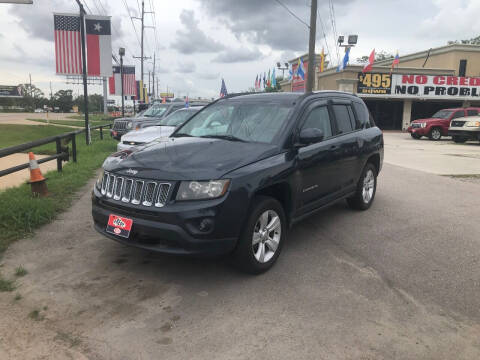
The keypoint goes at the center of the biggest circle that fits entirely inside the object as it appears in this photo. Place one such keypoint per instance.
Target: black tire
(244, 256)
(415, 136)
(459, 139)
(358, 201)
(435, 134)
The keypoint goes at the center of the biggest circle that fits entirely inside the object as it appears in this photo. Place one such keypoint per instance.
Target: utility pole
(84, 66)
(311, 47)
(149, 84)
(142, 57)
(121, 52)
(31, 91)
(153, 78)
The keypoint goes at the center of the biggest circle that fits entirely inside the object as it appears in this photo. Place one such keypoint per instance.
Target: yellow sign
(374, 83)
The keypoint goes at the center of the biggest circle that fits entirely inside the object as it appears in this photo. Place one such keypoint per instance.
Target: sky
(199, 42)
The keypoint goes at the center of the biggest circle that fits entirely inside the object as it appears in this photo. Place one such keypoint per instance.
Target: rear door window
(472, 112)
(343, 120)
(458, 114)
(362, 114)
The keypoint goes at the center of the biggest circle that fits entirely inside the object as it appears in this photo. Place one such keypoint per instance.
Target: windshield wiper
(224, 137)
(181, 135)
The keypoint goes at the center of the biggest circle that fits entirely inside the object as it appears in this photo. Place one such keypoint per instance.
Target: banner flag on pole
(129, 84)
(68, 44)
(99, 45)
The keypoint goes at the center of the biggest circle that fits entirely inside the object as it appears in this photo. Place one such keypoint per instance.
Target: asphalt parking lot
(400, 281)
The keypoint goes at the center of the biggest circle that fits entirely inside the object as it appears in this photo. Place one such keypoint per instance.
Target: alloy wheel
(436, 134)
(368, 186)
(266, 236)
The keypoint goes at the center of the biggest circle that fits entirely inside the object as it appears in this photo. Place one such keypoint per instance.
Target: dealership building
(424, 82)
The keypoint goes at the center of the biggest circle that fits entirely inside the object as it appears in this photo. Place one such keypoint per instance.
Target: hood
(148, 134)
(189, 158)
(424, 120)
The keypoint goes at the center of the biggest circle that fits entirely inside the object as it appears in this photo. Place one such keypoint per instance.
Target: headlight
(423, 125)
(473, 123)
(197, 190)
(100, 179)
(129, 125)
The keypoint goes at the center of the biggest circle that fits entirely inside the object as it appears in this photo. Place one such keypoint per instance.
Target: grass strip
(78, 123)
(21, 214)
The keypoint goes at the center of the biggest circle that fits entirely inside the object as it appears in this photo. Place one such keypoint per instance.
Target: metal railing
(62, 153)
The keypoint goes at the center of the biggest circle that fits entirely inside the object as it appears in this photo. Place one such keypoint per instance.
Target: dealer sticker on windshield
(119, 226)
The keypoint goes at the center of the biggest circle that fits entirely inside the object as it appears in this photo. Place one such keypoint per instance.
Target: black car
(239, 173)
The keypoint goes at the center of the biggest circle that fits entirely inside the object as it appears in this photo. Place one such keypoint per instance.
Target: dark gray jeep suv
(239, 173)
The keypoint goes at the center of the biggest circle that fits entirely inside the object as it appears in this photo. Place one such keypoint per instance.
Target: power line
(292, 13)
(334, 29)
(323, 31)
(131, 19)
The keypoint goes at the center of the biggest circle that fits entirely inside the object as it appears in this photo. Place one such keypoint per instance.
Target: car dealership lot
(443, 157)
(397, 281)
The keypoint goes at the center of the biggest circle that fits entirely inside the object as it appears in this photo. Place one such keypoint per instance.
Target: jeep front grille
(457, 123)
(416, 125)
(120, 124)
(135, 191)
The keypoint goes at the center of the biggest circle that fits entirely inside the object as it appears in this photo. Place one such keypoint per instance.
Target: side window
(472, 112)
(342, 117)
(458, 114)
(319, 119)
(362, 114)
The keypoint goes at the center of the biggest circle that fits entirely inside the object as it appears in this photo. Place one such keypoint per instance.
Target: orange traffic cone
(37, 181)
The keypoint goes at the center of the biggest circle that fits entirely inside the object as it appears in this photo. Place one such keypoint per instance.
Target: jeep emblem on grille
(131, 171)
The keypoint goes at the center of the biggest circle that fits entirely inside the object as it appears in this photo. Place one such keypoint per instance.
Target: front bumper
(174, 228)
(417, 131)
(473, 134)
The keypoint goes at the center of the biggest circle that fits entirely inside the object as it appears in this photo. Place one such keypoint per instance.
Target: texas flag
(99, 45)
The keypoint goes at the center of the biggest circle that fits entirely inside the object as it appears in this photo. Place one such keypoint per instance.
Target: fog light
(205, 225)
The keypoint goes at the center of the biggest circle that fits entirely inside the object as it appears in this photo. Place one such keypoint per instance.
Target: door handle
(334, 147)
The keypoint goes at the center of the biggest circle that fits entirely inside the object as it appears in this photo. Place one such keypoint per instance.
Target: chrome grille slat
(149, 193)
(162, 196)
(136, 191)
(127, 191)
(111, 183)
(117, 192)
(103, 189)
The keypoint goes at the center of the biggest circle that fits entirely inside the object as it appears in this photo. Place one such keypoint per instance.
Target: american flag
(129, 83)
(68, 45)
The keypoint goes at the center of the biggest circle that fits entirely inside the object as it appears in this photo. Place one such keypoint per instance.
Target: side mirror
(310, 136)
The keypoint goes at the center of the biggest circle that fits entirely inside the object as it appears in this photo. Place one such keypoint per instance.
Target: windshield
(156, 110)
(442, 114)
(252, 122)
(177, 118)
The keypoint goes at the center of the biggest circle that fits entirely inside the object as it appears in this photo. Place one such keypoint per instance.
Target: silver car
(162, 128)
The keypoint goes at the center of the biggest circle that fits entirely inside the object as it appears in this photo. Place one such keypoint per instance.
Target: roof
(433, 51)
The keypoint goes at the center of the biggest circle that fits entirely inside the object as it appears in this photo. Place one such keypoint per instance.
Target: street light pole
(121, 52)
(84, 66)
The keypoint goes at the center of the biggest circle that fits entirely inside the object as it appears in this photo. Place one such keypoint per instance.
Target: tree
(95, 103)
(472, 41)
(63, 99)
(379, 56)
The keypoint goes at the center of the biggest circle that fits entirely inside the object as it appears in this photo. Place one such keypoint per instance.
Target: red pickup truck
(437, 126)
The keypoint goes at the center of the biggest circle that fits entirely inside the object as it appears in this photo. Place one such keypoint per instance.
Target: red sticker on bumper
(119, 226)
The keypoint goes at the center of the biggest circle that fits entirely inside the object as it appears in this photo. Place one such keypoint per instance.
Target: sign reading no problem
(424, 86)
